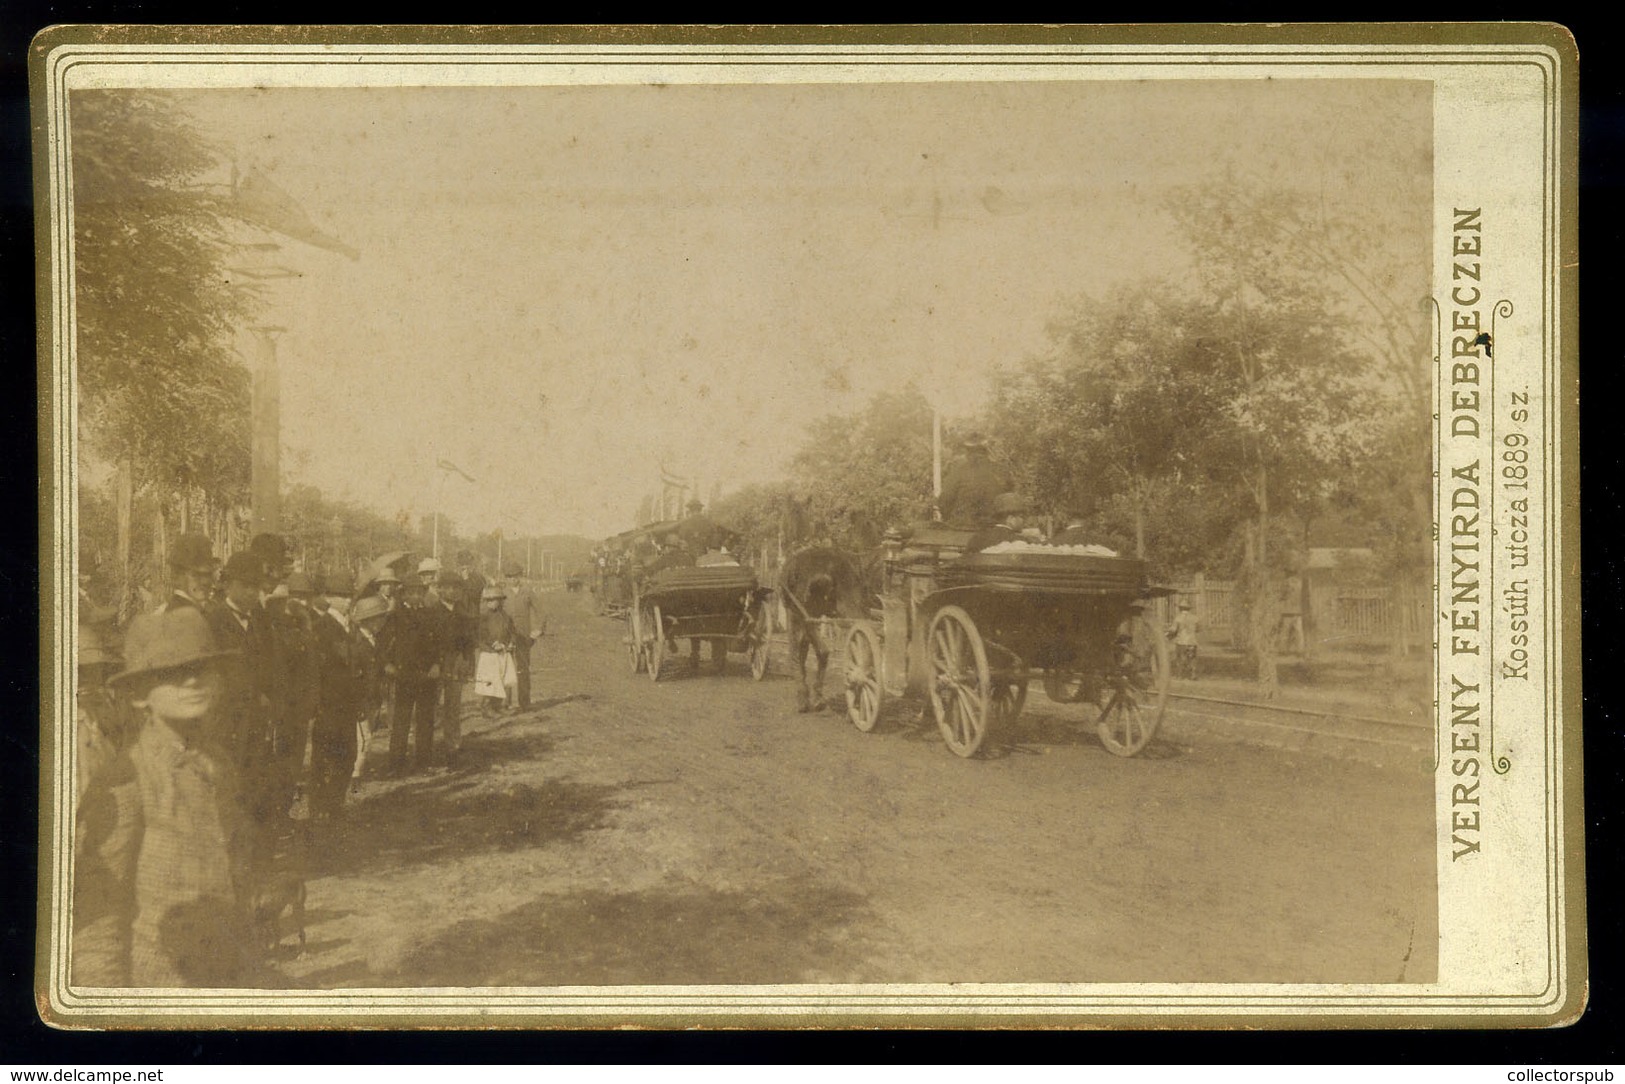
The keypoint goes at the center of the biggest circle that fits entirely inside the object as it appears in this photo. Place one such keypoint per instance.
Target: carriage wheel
(1066, 686)
(1136, 688)
(635, 648)
(861, 654)
(761, 642)
(657, 642)
(961, 689)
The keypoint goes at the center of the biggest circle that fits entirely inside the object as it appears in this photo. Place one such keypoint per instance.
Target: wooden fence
(1337, 613)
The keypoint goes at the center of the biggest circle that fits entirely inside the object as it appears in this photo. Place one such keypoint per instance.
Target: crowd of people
(227, 733)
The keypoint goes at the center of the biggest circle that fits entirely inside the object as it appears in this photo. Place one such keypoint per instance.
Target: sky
(558, 289)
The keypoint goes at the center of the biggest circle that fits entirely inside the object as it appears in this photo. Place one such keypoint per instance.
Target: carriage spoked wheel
(761, 640)
(1009, 686)
(1135, 691)
(635, 644)
(961, 685)
(861, 658)
(655, 638)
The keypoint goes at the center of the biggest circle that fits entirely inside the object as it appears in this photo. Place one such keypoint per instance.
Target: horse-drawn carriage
(721, 604)
(969, 632)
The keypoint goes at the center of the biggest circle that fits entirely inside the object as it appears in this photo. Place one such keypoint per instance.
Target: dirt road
(701, 831)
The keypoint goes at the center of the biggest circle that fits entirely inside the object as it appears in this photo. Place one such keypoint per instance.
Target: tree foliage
(155, 306)
(858, 474)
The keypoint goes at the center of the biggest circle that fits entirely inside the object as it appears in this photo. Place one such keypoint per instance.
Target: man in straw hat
(971, 485)
(164, 879)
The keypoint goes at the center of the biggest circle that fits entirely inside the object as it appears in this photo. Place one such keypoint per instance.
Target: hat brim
(212, 656)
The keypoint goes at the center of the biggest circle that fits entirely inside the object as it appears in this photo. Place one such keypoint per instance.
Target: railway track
(1301, 727)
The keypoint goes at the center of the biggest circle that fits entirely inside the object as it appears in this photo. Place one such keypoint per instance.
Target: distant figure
(970, 486)
(1183, 630)
(1289, 629)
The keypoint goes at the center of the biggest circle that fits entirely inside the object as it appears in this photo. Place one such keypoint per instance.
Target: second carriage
(969, 632)
(722, 604)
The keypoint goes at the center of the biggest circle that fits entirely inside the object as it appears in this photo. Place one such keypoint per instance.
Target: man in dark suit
(527, 622)
(451, 630)
(239, 624)
(970, 486)
(192, 566)
(411, 666)
(332, 735)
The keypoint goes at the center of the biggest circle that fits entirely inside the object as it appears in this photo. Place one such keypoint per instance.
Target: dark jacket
(969, 488)
(411, 646)
(495, 628)
(338, 690)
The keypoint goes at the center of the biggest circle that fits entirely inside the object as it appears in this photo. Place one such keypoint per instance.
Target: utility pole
(265, 430)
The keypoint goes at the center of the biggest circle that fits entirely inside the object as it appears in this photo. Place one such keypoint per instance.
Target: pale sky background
(560, 287)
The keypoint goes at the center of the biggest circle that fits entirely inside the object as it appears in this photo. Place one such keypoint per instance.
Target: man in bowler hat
(191, 565)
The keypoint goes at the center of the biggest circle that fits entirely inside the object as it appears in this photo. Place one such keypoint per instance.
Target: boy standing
(163, 881)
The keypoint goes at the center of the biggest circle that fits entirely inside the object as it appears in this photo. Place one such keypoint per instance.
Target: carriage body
(969, 632)
(722, 604)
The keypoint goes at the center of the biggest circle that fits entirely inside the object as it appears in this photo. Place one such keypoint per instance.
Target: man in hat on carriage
(971, 485)
(696, 531)
(165, 875)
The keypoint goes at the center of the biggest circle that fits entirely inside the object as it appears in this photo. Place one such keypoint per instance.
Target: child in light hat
(164, 884)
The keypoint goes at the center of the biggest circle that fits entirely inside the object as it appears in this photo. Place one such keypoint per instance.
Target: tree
(1114, 420)
(161, 390)
(1209, 415)
(863, 472)
(1253, 242)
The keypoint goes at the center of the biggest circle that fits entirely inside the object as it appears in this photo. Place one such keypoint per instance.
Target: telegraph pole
(265, 430)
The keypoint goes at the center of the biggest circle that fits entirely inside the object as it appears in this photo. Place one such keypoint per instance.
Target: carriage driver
(970, 486)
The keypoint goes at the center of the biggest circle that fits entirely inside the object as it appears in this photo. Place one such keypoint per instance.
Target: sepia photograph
(715, 537)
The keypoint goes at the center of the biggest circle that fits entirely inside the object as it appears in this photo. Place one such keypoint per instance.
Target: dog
(285, 892)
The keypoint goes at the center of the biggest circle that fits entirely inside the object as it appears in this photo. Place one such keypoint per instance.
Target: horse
(818, 583)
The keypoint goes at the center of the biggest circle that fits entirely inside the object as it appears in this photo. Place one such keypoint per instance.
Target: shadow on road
(794, 932)
(452, 815)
